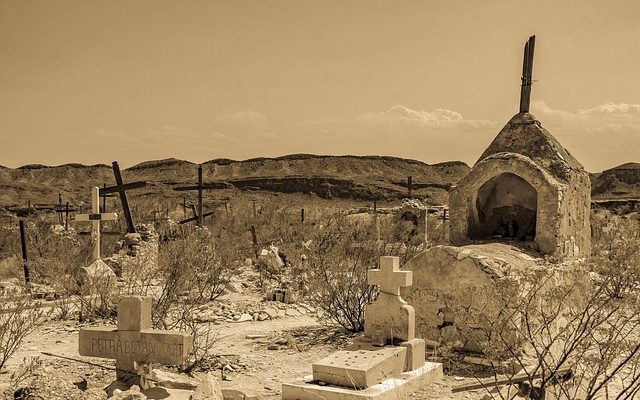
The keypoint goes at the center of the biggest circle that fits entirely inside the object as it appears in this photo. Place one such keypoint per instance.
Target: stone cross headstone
(95, 217)
(133, 341)
(377, 367)
(389, 316)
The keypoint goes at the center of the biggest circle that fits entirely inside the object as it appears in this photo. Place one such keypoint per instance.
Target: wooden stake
(25, 261)
(200, 216)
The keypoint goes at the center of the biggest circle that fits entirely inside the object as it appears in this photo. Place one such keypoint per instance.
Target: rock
(208, 389)
(272, 313)
(262, 316)
(234, 394)
(282, 341)
(132, 239)
(172, 380)
(244, 318)
(234, 287)
(258, 336)
(273, 347)
(132, 394)
(291, 312)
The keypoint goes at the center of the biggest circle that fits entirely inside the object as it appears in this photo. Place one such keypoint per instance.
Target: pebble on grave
(134, 341)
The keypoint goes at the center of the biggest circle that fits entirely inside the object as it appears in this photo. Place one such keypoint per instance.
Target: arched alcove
(505, 207)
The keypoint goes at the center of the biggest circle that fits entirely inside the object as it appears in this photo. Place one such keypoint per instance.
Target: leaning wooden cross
(133, 342)
(121, 188)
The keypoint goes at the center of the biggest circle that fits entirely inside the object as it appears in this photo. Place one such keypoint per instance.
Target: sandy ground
(261, 374)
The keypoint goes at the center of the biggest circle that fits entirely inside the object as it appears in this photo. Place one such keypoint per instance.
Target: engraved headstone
(134, 341)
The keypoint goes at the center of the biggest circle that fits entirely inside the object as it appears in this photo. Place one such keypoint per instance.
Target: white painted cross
(96, 217)
(389, 277)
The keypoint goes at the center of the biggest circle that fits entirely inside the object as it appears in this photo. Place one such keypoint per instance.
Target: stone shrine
(525, 187)
(388, 362)
(525, 198)
(133, 342)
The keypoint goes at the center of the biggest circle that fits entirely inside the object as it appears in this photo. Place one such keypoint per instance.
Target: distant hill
(330, 177)
(347, 177)
(621, 182)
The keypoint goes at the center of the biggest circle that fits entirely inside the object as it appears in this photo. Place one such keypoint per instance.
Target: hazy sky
(97, 81)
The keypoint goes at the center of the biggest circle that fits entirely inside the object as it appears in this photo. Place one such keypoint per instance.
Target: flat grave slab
(394, 388)
(359, 369)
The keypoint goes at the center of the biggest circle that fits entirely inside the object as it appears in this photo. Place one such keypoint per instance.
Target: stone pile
(263, 311)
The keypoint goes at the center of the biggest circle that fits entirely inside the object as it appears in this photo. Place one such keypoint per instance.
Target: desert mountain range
(348, 177)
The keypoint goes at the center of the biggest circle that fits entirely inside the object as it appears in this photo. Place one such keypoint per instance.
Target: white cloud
(439, 118)
(601, 136)
(622, 109)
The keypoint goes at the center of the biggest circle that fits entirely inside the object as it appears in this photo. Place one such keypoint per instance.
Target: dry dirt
(261, 373)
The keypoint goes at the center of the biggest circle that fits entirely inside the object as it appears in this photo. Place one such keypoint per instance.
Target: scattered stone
(172, 380)
(208, 389)
(259, 336)
(234, 287)
(132, 394)
(244, 318)
(273, 347)
(272, 313)
(234, 394)
(291, 312)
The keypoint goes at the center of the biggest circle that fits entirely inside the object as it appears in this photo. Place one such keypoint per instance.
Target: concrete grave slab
(394, 388)
(359, 369)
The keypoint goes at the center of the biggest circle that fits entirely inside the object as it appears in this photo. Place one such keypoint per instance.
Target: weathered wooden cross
(104, 197)
(133, 341)
(121, 188)
(199, 215)
(527, 75)
(96, 217)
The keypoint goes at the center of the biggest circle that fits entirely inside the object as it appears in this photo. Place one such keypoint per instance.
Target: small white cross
(389, 277)
(96, 217)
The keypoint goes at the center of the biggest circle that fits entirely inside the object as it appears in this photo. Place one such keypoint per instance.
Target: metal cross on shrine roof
(527, 75)
(121, 188)
(96, 217)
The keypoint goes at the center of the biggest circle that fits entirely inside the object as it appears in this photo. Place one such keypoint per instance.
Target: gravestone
(134, 342)
(387, 362)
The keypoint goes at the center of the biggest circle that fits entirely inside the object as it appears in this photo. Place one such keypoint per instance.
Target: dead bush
(337, 261)
(616, 254)
(573, 327)
(15, 324)
(198, 268)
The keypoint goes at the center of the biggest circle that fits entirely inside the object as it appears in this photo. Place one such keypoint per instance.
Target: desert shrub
(23, 374)
(197, 268)
(616, 255)
(337, 262)
(574, 326)
(140, 272)
(15, 325)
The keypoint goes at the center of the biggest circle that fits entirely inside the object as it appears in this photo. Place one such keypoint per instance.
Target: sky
(131, 80)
